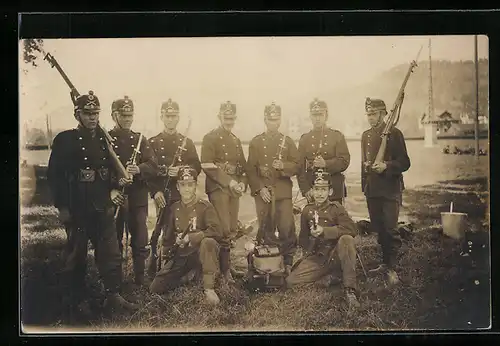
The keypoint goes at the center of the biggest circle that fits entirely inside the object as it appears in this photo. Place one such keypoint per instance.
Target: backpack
(266, 268)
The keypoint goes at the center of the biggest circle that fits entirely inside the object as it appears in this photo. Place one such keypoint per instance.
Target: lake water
(428, 165)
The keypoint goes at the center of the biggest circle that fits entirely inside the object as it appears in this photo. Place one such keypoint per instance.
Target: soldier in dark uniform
(85, 189)
(166, 145)
(327, 239)
(272, 160)
(199, 249)
(224, 164)
(135, 211)
(383, 183)
(323, 148)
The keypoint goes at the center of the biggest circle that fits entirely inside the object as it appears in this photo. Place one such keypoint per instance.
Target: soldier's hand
(64, 215)
(241, 186)
(133, 169)
(173, 171)
(125, 182)
(278, 164)
(117, 197)
(309, 196)
(160, 200)
(317, 232)
(379, 167)
(319, 162)
(182, 242)
(235, 186)
(265, 195)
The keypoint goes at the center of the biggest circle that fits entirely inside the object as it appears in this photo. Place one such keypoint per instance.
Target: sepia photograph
(254, 184)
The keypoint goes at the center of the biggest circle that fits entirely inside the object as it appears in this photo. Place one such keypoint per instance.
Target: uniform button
(313, 137)
(118, 156)
(152, 141)
(266, 164)
(312, 145)
(325, 143)
(132, 145)
(265, 155)
(131, 137)
(116, 146)
(223, 145)
(161, 140)
(162, 157)
(85, 158)
(326, 136)
(80, 138)
(220, 137)
(162, 148)
(104, 158)
(87, 168)
(368, 143)
(264, 147)
(177, 217)
(83, 148)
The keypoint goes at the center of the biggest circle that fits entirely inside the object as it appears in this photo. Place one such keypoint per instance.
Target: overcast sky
(201, 73)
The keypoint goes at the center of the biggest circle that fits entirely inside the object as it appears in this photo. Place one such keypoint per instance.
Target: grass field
(441, 289)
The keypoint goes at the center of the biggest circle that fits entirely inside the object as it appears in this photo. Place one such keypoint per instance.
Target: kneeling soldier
(199, 248)
(327, 239)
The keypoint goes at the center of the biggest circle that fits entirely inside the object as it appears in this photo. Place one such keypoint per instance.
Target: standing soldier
(134, 213)
(167, 146)
(224, 164)
(327, 236)
(272, 160)
(81, 178)
(325, 149)
(198, 248)
(383, 184)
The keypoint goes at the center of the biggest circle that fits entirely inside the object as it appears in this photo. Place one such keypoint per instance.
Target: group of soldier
(96, 204)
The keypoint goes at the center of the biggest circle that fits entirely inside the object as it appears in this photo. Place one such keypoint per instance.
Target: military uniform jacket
(334, 219)
(207, 225)
(80, 172)
(388, 184)
(165, 147)
(263, 150)
(334, 151)
(223, 149)
(124, 144)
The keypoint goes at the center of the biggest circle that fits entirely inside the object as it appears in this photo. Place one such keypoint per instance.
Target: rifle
(152, 268)
(74, 94)
(393, 119)
(173, 250)
(131, 161)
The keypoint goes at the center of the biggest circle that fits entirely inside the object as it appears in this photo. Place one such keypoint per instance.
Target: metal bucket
(454, 224)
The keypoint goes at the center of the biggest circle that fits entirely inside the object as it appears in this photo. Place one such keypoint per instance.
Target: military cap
(228, 109)
(88, 103)
(170, 107)
(373, 105)
(317, 107)
(124, 106)
(321, 178)
(272, 111)
(187, 174)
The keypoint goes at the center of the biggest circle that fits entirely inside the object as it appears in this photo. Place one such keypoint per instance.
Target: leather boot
(352, 299)
(225, 265)
(139, 266)
(115, 301)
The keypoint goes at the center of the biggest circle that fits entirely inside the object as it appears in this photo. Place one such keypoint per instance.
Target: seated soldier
(327, 239)
(198, 249)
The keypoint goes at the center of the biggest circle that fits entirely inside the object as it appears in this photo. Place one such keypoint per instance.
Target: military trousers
(284, 221)
(384, 214)
(227, 208)
(134, 218)
(341, 258)
(98, 227)
(206, 259)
